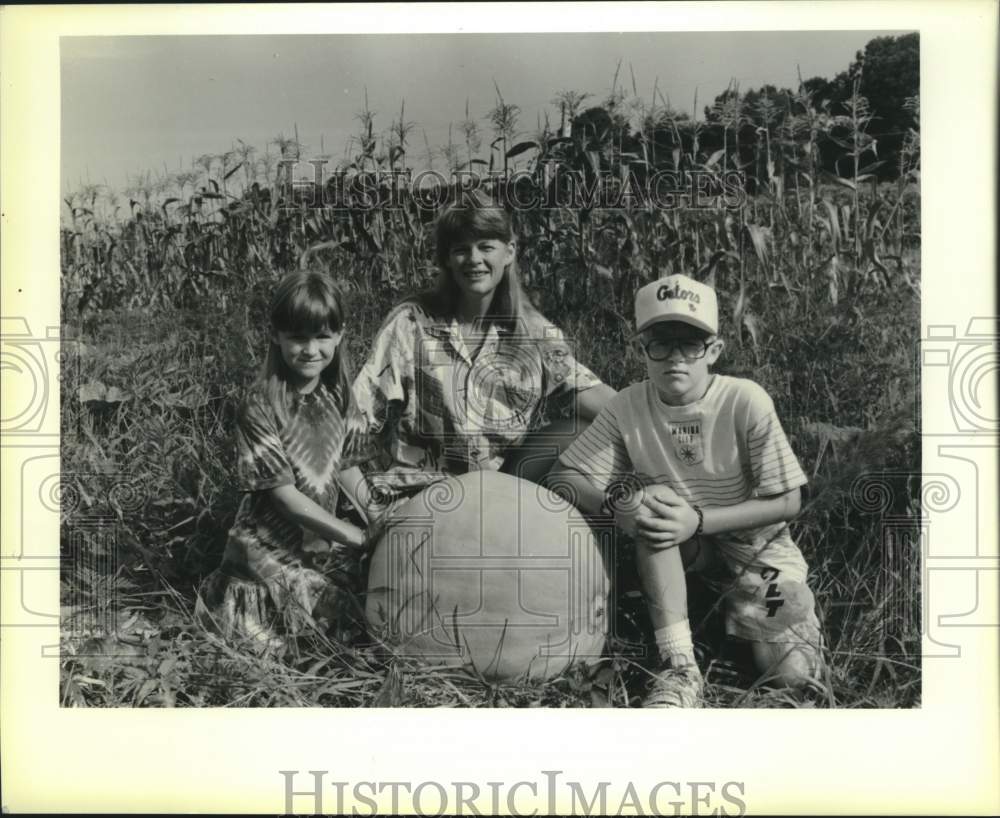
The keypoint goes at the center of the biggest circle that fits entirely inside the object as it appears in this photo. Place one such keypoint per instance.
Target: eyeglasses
(659, 349)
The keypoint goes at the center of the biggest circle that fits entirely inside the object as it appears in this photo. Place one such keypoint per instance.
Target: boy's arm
(753, 513)
(631, 514)
(575, 487)
(682, 519)
(588, 471)
(295, 506)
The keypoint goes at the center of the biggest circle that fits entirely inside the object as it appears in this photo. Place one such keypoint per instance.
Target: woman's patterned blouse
(436, 410)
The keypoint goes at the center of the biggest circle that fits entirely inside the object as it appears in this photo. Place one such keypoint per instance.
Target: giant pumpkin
(493, 572)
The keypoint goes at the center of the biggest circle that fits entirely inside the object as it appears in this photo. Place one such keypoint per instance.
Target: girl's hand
(355, 538)
(298, 508)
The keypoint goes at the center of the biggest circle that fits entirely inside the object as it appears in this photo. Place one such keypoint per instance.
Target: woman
(469, 376)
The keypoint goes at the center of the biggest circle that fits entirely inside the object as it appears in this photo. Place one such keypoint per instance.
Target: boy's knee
(792, 665)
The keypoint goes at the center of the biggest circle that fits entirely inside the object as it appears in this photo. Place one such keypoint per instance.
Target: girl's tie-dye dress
(276, 577)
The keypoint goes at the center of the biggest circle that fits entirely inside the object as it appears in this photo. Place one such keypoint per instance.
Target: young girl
(469, 376)
(289, 561)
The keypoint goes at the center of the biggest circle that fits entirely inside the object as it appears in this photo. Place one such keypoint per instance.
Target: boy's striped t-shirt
(719, 451)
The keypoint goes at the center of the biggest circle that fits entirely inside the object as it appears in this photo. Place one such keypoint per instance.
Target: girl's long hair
(306, 301)
(474, 215)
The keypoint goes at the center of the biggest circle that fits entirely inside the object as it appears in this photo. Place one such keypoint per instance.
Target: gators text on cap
(677, 298)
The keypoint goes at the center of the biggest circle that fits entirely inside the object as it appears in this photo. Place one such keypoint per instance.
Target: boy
(696, 468)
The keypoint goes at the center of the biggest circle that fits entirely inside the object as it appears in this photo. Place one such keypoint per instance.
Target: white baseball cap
(677, 298)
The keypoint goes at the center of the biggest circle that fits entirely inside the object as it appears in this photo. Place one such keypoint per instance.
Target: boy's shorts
(762, 602)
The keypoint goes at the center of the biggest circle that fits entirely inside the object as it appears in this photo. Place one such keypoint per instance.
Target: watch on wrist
(701, 521)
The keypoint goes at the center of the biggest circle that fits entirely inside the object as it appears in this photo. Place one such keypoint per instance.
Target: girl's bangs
(307, 310)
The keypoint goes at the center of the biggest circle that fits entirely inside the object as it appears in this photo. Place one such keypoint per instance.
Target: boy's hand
(640, 522)
(676, 519)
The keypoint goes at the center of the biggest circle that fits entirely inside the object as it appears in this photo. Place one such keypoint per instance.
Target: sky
(137, 104)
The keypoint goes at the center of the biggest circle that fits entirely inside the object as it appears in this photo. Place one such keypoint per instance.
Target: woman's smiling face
(477, 265)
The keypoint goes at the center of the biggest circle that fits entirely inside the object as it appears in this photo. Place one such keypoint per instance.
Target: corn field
(237, 219)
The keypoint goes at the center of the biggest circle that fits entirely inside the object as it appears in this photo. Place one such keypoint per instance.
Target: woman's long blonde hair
(306, 301)
(474, 215)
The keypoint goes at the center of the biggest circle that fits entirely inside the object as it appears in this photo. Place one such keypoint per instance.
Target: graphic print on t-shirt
(686, 437)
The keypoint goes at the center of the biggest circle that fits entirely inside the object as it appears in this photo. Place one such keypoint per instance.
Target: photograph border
(62, 759)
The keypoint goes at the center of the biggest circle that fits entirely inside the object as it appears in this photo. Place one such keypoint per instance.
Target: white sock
(674, 644)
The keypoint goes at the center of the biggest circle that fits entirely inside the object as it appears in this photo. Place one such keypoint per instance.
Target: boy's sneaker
(675, 687)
